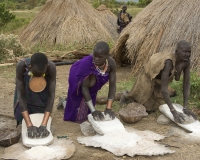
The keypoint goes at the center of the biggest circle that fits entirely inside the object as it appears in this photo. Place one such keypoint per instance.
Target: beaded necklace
(31, 74)
(105, 68)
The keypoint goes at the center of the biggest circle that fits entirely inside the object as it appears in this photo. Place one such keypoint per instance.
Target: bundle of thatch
(68, 22)
(158, 28)
(108, 15)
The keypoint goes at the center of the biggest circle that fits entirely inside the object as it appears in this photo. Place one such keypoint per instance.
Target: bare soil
(185, 151)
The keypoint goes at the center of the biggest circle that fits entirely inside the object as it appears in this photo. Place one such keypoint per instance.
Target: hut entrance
(121, 55)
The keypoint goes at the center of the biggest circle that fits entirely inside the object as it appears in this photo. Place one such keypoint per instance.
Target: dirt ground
(185, 151)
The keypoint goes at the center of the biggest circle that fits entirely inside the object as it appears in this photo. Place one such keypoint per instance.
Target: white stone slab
(107, 125)
(36, 120)
(190, 125)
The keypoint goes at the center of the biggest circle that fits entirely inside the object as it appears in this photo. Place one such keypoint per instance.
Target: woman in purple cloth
(86, 78)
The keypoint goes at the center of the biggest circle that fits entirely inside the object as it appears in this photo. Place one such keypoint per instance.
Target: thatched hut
(108, 15)
(68, 22)
(158, 28)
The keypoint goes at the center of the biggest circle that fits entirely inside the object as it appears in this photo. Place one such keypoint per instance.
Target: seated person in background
(151, 85)
(123, 19)
(35, 92)
(86, 78)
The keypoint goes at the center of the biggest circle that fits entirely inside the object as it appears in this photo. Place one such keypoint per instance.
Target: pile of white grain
(45, 153)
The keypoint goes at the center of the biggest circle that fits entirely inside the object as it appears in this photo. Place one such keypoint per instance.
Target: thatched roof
(102, 7)
(108, 15)
(158, 28)
(68, 22)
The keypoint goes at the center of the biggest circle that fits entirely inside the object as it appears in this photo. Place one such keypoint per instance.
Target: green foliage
(195, 85)
(10, 47)
(130, 3)
(108, 3)
(14, 25)
(5, 16)
(134, 11)
(22, 4)
(144, 3)
(194, 98)
(124, 85)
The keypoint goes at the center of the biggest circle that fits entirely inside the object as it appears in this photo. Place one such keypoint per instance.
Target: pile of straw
(68, 22)
(158, 28)
(108, 15)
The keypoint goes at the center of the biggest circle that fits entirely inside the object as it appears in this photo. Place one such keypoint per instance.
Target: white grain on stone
(103, 127)
(120, 141)
(189, 125)
(45, 153)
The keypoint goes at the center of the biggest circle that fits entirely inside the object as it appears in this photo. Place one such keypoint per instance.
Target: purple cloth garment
(76, 109)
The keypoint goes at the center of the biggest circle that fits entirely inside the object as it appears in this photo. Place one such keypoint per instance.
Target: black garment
(121, 23)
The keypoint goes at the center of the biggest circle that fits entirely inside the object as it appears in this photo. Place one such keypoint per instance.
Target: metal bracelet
(172, 109)
(110, 99)
(90, 105)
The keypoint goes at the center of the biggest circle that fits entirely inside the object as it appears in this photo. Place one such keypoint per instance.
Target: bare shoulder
(51, 68)
(168, 63)
(20, 68)
(51, 65)
(111, 61)
(21, 64)
(112, 64)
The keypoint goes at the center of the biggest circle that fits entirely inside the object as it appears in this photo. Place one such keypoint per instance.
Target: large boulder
(9, 137)
(134, 112)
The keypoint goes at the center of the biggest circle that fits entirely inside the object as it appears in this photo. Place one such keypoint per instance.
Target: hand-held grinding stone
(189, 124)
(36, 119)
(107, 125)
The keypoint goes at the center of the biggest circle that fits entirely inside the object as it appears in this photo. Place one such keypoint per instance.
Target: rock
(134, 112)
(87, 129)
(60, 103)
(123, 100)
(163, 120)
(9, 137)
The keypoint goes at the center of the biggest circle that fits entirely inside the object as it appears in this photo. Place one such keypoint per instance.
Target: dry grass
(69, 22)
(158, 28)
(108, 15)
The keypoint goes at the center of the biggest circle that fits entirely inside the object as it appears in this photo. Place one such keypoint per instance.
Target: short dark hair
(124, 6)
(39, 60)
(103, 46)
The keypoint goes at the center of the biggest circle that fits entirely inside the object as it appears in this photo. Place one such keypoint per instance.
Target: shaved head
(182, 43)
(183, 51)
(102, 48)
(124, 6)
